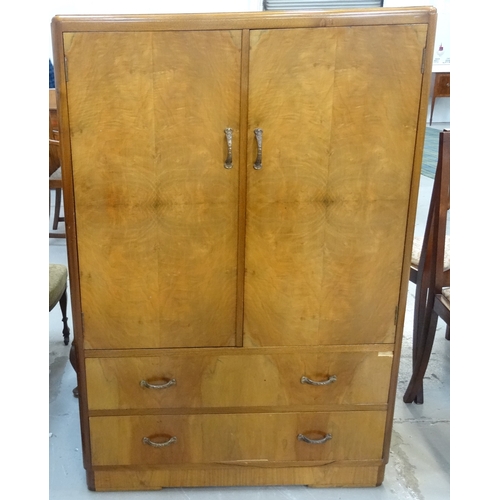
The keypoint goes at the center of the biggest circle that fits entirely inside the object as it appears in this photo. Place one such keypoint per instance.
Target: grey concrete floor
(419, 466)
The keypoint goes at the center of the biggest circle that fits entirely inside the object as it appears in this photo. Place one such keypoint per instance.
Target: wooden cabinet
(440, 88)
(241, 193)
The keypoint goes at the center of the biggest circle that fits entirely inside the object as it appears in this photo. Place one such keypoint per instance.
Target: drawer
(442, 85)
(238, 380)
(237, 438)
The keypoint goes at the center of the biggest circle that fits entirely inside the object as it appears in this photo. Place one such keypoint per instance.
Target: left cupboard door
(155, 205)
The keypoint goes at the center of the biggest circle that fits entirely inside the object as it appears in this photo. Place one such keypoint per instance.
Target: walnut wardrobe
(240, 196)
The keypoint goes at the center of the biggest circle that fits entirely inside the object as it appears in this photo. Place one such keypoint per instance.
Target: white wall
(443, 24)
(441, 62)
(63, 7)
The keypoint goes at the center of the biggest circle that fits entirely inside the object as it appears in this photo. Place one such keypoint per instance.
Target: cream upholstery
(58, 276)
(417, 249)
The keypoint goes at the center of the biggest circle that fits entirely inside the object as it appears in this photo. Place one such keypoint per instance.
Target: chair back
(431, 271)
(441, 197)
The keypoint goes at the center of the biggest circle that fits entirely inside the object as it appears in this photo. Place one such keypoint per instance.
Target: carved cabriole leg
(63, 302)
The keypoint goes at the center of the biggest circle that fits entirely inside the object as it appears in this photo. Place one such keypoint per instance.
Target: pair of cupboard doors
(248, 185)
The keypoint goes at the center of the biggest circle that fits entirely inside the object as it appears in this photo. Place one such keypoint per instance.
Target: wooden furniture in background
(432, 297)
(231, 326)
(441, 88)
(53, 120)
(420, 275)
(55, 180)
(58, 279)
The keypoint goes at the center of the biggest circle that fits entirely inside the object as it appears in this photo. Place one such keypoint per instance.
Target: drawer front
(231, 438)
(442, 88)
(238, 380)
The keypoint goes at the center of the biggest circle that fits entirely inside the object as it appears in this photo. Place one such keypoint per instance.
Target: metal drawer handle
(258, 161)
(301, 437)
(146, 384)
(154, 444)
(229, 138)
(330, 380)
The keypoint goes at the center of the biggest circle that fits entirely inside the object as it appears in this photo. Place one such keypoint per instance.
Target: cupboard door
(326, 214)
(156, 210)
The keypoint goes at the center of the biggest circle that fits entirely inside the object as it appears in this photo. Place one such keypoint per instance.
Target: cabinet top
(244, 20)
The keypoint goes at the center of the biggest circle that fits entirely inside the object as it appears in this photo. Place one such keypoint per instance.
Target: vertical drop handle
(229, 138)
(258, 161)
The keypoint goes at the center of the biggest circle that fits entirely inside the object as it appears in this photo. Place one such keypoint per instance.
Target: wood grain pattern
(156, 209)
(166, 252)
(237, 438)
(253, 380)
(339, 118)
(330, 475)
(247, 20)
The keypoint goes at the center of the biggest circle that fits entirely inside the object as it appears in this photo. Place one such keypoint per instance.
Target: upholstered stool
(58, 277)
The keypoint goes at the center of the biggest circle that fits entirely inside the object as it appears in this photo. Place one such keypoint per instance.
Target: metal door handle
(229, 138)
(258, 161)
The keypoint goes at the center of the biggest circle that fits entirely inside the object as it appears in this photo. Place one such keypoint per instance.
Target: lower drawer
(237, 438)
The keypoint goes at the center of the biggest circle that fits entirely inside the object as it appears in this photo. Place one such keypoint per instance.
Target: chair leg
(419, 324)
(415, 390)
(57, 208)
(74, 363)
(63, 303)
(432, 109)
(419, 315)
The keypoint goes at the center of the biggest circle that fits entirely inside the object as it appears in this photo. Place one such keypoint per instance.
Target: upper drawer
(238, 380)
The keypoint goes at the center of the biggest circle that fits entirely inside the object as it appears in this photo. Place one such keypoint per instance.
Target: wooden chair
(432, 275)
(58, 279)
(55, 178)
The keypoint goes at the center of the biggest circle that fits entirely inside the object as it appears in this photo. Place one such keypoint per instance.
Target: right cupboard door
(327, 212)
